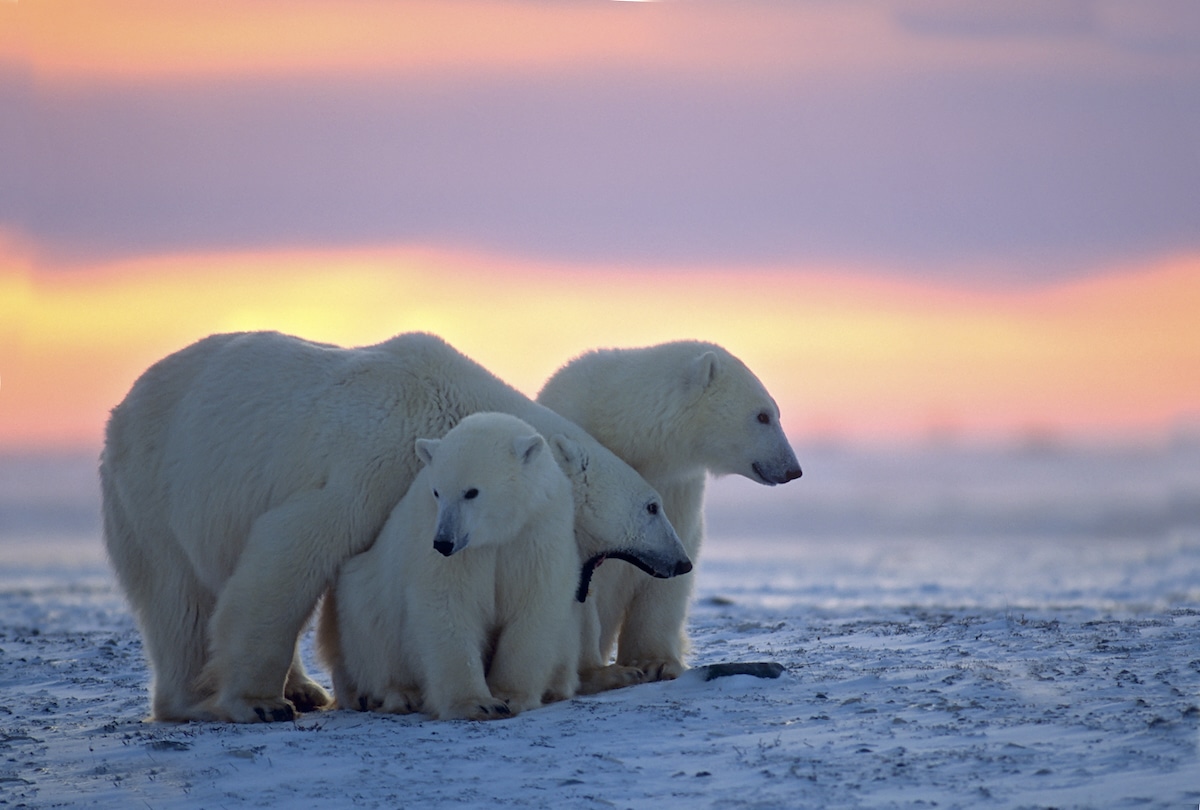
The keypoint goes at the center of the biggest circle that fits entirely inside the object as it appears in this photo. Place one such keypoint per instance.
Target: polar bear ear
(571, 452)
(528, 447)
(704, 369)
(426, 448)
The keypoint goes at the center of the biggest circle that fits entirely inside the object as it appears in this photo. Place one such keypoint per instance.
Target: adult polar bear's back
(238, 451)
(239, 472)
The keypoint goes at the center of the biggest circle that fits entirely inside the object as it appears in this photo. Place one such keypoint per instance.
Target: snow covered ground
(960, 628)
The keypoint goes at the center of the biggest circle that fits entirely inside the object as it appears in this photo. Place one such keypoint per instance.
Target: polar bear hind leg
(171, 606)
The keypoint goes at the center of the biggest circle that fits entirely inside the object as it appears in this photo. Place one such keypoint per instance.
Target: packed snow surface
(958, 628)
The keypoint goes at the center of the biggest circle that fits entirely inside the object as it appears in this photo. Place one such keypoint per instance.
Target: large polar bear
(675, 412)
(464, 606)
(239, 473)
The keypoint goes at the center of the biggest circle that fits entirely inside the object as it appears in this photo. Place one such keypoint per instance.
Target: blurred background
(959, 242)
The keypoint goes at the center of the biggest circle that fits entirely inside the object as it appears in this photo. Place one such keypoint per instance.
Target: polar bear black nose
(443, 547)
(792, 474)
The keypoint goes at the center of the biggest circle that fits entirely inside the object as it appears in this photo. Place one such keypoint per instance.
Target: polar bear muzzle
(659, 568)
(772, 474)
(446, 539)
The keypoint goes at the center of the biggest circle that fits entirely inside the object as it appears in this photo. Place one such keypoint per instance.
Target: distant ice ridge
(1010, 573)
(1109, 529)
(965, 492)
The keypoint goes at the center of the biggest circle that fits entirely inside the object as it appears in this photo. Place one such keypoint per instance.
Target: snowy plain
(959, 627)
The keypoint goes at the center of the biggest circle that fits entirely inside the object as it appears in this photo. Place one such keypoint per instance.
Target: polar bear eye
(471, 493)
(435, 494)
(764, 418)
(652, 509)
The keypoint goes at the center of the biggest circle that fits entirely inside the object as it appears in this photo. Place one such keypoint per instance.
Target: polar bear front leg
(595, 675)
(653, 636)
(451, 661)
(291, 555)
(654, 626)
(305, 694)
(528, 652)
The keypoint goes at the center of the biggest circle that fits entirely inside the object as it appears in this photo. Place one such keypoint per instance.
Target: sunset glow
(846, 354)
(143, 40)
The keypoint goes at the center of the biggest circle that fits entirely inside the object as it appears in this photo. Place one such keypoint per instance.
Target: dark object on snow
(759, 669)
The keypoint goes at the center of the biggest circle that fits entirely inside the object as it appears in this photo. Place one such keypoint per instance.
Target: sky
(911, 218)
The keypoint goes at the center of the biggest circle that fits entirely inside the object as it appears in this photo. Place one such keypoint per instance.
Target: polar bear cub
(464, 606)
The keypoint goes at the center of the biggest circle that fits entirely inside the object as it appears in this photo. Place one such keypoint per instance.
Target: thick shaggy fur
(239, 473)
(465, 606)
(675, 412)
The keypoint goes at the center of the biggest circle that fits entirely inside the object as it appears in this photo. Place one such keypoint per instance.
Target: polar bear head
(652, 544)
(676, 410)
(733, 423)
(491, 475)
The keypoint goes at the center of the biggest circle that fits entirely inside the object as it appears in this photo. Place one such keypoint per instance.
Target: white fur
(487, 631)
(675, 412)
(240, 472)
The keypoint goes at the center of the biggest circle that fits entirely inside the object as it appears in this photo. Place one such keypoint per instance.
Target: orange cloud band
(139, 40)
(843, 352)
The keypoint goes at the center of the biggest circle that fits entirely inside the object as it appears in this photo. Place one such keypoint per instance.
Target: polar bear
(239, 473)
(675, 412)
(463, 606)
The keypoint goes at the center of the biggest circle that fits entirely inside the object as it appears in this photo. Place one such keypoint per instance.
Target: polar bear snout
(447, 543)
(665, 570)
(772, 474)
(657, 566)
(447, 538)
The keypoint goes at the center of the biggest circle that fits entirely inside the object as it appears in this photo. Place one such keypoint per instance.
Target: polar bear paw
(659, 669)
(362, 702)
(275, 711)
(488, 708)
(400, 701)
(307, 695)
(613, 676)
(249, 710)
